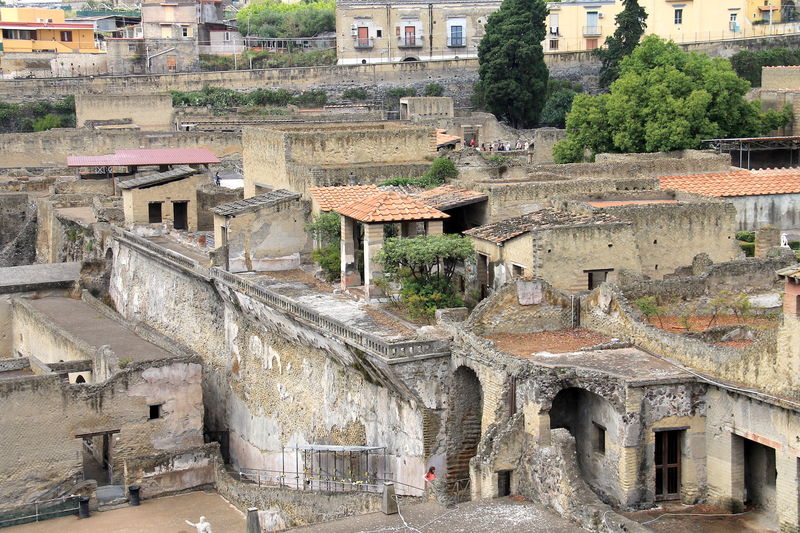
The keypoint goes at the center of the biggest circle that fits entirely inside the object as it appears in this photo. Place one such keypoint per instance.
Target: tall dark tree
(630, 28)
(513, 75)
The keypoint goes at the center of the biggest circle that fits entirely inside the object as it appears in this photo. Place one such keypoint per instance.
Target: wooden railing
(348, 334)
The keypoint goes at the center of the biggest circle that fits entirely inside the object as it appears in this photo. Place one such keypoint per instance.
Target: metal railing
(456, 42)
(410, 41)
(363, 42)
(295, 481)
(38, 510)
(348, 334)
(592, 31)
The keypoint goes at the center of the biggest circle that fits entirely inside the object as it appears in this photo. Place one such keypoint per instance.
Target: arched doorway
(593, 422)
(464, 423)
(411, 58)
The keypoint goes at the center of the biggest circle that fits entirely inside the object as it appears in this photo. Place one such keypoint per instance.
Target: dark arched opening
(592, 421)
(464, 421)
(410, 58)
(80, 379)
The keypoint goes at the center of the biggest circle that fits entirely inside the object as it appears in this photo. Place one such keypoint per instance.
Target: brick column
(787, 497)
(373, 242)
(725, 463)
(349, 276)
(766, 238)
(435, 227)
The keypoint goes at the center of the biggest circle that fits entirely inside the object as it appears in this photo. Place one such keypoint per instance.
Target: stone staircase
(458, 464)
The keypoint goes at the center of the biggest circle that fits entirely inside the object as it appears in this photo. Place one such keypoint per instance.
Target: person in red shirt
(430, 475)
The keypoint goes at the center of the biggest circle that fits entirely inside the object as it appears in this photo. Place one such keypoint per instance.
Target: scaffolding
(331, 468)
(746, 145)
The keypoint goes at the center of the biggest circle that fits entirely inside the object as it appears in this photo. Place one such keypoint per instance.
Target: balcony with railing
(410, 41)
(456, 41)
(363, 42)
(592, 31)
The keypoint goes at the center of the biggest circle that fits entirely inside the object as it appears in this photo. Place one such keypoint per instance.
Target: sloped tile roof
(332, 198)
(443, 138)
(390, 207)
(268, 199)
(158, 178)
(505, 230)
(449, 197)
(737, 183)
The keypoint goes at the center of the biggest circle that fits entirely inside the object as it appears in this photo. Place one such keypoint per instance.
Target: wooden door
(668, 465)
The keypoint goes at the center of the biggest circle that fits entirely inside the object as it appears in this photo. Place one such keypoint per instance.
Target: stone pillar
(766, 238)
(349, 276)
(408, 229)
(725, 463)
(373, 242)
(537, 423)
(435, 227)
(787, 495)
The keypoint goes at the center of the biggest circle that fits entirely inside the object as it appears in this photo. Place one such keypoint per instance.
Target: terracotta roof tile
(505, 230)
(737, 183)
(390, 207)
(332, 198)
(449, 197)
(443, 138)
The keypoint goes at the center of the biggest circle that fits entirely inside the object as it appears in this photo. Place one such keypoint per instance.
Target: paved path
(80, 319)
(162, 515)
(36, 277)
(481, 516)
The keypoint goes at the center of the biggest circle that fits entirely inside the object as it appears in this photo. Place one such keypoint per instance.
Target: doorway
(668, 464)
(180, 214)
(410, 36)
(760, 476)
(97, 460)
(154, 212)
(503, 483)
(596, 277)
(485, 275)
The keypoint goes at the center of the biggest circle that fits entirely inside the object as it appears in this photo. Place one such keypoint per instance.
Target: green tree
(47, 122)
(433, 89)
(630, 28)
(272, 18)
(512, 73)
(441, 170)
(665, 99)
(326, 229)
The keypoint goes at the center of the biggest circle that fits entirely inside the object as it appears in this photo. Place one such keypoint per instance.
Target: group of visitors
(500, 146)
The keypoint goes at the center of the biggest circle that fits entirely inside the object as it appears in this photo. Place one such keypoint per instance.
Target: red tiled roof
(332, 198)
(549, 218)
(449, 196)
(737, 183)
(390, 207)
(443, 138)
(162, 156)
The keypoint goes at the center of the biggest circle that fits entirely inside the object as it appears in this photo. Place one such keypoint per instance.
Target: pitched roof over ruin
(132, 158)
(158, 178)
(332, 198)
(450, 197)
(268, 199)
(505, 230)
(390, 207)
(443, 138)
(737, 183)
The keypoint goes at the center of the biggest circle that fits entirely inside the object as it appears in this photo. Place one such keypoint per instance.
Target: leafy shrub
(37, 116)
(556, 107)
(355, 94)
(330, 260)
(746, 236)
(794, 245)
(422, 299)
(266, 59)
(47, 122)
(748, 63)
(749, 248)
(326, 227)
(433, 89)
(312, 98)
(441, 170)
(218, 98)
(649, 307)
(273, 18)
(391, 100)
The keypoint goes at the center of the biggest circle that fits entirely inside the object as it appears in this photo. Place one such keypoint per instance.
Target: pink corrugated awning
(132, 158)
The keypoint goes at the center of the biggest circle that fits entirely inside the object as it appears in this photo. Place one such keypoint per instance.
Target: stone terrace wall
(51, 148)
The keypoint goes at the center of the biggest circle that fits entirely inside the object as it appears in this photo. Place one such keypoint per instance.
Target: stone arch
(465, 411)
(410, 58)
(594, 423)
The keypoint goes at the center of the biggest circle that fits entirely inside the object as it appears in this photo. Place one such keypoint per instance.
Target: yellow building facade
(29, 29)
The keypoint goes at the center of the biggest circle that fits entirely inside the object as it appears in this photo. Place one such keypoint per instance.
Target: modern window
(592, 44)
(227, 36)
(456, 36)
(184, 31)
(362, 39)
(553, 23)
(66, 36)
(679, 16)
(553, 44)
(28, 35)
(592, 23)
(172, 63)
(378, 33)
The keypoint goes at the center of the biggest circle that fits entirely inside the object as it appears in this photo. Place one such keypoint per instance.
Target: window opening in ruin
(154, 212)
(668, 464)
(155, 411)
(503, 483)
(599, 438)
(760, 475)
(517, 271)
(180, 213)
(378, 33)
(80, 379)
(797, 305)
(596, 277)
(512, 396)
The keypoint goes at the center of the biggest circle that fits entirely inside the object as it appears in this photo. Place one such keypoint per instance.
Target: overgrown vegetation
(266, 59)
(218, 97)
(512, 73)
(41, 115)
(424, 266)
(650, 307)
(441, 170)
(630, 26)
(560, 94)
(748, 63)
(391, 99)
(433, 89)
(665, 99)
(273, 18)
(354, 93)
(326, 230)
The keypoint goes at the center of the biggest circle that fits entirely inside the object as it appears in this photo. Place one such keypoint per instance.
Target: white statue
(202, 526)
(784, 241)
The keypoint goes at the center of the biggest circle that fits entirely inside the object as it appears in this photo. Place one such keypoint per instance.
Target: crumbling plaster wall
(17, 230)
(39, 448)
(151, 112)
(272, 382)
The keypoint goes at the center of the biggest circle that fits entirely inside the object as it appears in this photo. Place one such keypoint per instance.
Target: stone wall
(151, 112)
(169, 472)
(38, 455)
(209, 196)
(17, 230)
(296, 507)
(51, 148)
(779, 210)
(51, 65)
(780, 77)
(271, 381)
